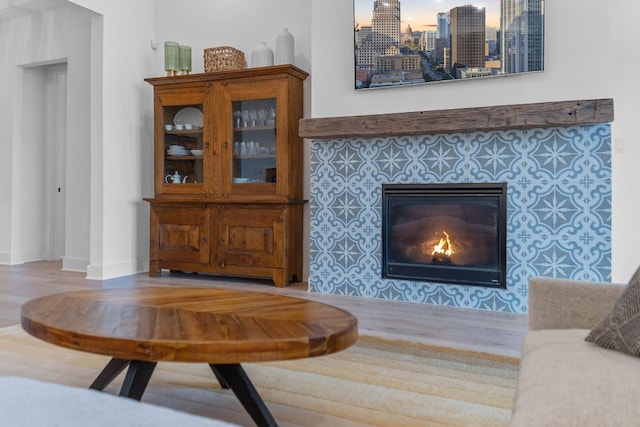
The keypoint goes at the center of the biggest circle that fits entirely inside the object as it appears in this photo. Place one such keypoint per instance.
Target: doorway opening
(43, 167)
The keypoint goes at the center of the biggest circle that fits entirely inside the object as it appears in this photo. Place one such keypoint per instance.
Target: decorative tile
(559, 208)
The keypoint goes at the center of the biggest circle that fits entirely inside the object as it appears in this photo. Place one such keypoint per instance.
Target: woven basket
(223, 58)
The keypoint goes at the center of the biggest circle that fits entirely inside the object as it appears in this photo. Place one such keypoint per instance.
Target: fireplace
(445, 233)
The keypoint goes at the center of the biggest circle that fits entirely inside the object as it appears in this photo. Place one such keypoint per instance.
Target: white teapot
(175, 178)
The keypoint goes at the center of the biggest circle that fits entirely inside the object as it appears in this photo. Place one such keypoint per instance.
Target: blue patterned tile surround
(559, 208)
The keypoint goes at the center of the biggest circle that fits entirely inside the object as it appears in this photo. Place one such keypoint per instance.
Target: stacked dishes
(177, 150)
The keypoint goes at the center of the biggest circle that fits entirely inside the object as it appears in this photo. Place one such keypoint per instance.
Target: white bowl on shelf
(240, 180)
(197, 152)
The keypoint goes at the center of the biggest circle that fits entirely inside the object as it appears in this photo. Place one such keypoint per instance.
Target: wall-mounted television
(409, 42)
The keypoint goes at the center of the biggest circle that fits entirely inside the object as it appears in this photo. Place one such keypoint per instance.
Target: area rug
(374, 383)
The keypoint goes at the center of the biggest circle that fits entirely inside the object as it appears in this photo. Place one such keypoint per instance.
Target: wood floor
(467, 329)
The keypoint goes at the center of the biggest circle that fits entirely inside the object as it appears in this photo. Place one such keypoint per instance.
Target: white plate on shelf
(188, 115)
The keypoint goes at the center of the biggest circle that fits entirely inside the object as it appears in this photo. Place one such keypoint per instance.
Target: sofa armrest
(570, 304)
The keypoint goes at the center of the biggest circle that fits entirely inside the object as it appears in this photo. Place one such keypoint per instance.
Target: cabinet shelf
(254, 156)
(183, 157)
(184, 132)
(254, 128)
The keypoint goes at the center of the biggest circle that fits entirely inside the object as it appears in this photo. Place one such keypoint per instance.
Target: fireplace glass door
(445, 233)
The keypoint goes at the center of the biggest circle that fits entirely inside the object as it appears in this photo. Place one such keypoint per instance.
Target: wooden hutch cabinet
(228, 174)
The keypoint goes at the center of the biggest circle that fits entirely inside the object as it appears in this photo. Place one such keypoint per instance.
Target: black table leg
(135, 382)
(109, 373)
(223, 384)
(137, 378)
(236, 378)
(229, 375)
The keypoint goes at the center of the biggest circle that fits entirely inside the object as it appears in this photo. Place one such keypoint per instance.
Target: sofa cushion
(26, 402)
(565, 381)
(620, 329)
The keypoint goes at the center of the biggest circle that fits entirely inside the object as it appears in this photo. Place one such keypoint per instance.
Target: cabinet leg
(154, 270)
(280, 279)
(297, 274)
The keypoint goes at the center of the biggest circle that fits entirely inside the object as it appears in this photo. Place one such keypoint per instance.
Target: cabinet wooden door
(250, 237)
(253, 120)
(179, 234)
(183, 149)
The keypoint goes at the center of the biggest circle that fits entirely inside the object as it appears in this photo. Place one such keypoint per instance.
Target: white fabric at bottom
(26, 403)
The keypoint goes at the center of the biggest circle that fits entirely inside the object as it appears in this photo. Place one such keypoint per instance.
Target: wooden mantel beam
(480, 119)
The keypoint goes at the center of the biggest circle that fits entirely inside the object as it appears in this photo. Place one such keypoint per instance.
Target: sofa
(26, 402)
(564, 380)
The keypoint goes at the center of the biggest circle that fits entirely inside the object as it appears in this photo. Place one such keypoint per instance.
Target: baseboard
(113, 271)
(74, 264)
(11, 258)
(31, 256)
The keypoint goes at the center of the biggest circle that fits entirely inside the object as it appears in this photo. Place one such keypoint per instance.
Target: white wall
(623, 42)
(121, 136)
(122, 167)
(108, 110)
(129, 28)
(587, 55)
(241, 24)
(50, 37)
(116, 122)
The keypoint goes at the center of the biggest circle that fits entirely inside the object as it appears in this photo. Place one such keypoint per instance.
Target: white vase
(261, 56)
(284, 47)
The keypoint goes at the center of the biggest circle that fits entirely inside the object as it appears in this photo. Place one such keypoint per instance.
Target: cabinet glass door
(254, 141)
(183, 145)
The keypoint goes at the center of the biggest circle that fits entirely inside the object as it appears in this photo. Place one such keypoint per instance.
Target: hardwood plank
(477, 119)
(466, 329)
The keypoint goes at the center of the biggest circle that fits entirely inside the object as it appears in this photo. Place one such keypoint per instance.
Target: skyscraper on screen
(522, 29)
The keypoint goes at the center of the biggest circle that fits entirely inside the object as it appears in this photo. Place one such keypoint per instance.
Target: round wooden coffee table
(220, 327)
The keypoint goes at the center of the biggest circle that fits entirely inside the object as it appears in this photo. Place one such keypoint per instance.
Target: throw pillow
(620, 329)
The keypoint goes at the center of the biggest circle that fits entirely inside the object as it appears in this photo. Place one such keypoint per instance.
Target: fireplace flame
(444, 247)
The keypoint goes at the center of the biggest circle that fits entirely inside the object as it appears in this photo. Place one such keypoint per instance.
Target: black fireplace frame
(443, 273)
